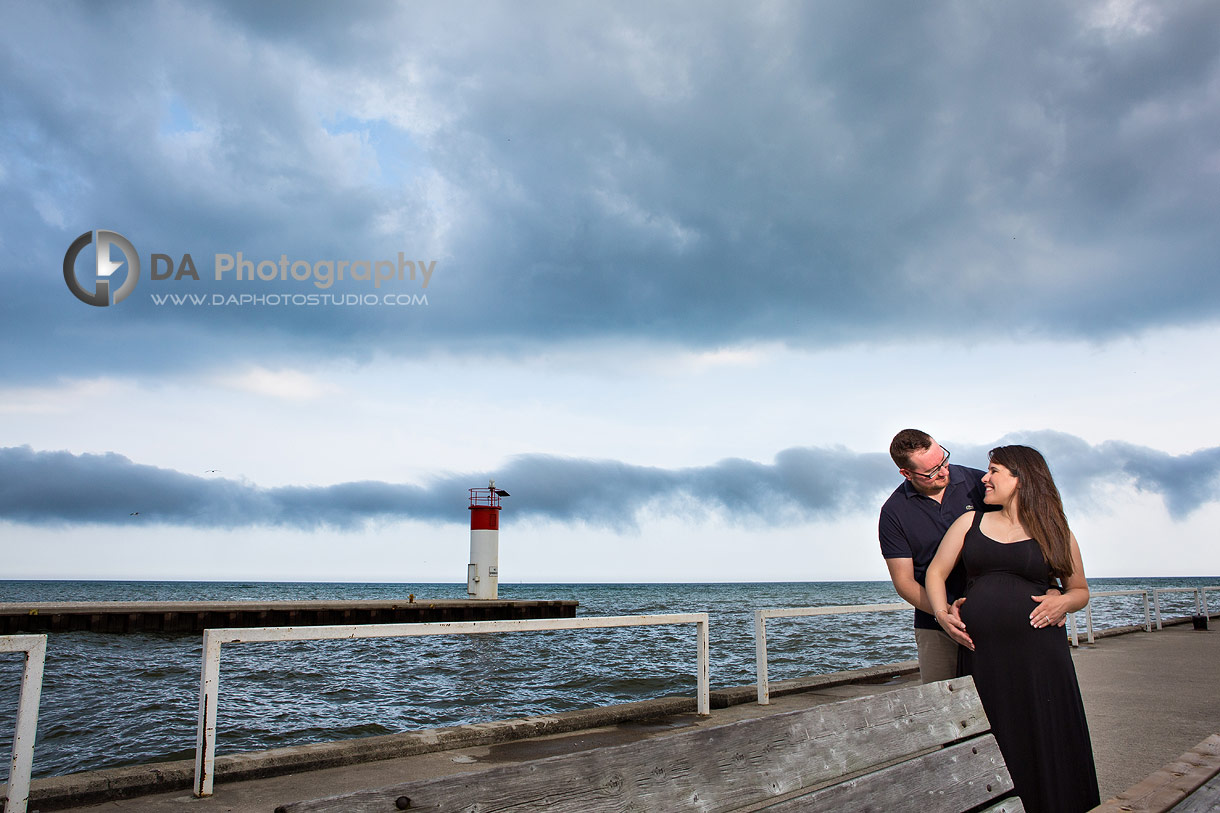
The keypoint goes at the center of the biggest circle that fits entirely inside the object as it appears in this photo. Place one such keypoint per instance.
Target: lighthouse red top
(485, 507)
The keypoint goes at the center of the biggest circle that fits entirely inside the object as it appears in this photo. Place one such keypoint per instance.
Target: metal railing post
(1072, 630)
(34, 648)
(1088, 609)
(209, 684)
(205, 738)
(760, 633)
(703, 693)
(1156, 596)
(760, 657)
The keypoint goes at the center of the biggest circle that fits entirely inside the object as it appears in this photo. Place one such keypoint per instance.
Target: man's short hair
(906, 443)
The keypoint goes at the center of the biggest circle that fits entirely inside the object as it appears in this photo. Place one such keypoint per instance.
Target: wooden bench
(920, 748)
(1189, 784)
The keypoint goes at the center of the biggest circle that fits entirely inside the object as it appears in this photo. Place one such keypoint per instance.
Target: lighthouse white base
(483, 572)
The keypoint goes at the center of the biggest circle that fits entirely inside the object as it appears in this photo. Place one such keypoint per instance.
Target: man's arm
(902, 574)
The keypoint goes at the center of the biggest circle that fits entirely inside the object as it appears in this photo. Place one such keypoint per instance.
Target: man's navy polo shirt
(912, 525)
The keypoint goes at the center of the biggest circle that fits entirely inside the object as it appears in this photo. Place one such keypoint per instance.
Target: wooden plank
(716, 768)
(1170, 784)
(953, 779)
(1012, 805)
(1204, 800)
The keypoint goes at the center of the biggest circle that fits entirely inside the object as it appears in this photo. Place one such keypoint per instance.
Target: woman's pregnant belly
(998, 606)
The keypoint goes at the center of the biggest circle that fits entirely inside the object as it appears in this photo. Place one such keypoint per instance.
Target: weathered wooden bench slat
(1173, 783)
(1012, 805)
(960, 777)
(719, 768)
(1206, 799)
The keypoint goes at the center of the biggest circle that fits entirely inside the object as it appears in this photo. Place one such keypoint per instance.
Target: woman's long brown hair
(1039, 506)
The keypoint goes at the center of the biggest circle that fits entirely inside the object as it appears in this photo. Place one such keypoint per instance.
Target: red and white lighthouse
(483, 572)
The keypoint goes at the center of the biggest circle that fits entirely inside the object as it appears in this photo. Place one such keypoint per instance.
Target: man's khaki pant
(937, 655)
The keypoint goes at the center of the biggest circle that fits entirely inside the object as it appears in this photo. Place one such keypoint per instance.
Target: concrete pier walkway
(1149, 698)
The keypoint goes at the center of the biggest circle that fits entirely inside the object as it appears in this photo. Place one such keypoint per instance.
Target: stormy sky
(691, 266)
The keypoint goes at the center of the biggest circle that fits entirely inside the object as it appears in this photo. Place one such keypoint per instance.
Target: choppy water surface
(112, 700)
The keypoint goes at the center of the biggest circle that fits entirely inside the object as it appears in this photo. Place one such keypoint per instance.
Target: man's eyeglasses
(931, 475)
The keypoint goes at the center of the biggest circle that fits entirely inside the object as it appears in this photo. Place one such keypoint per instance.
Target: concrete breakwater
(190, 617)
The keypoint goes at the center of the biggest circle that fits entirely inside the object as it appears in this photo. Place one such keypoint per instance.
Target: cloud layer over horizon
(800, 485)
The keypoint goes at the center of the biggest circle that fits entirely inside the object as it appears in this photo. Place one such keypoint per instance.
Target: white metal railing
(760, 632)
(1198, 591)
(1206, 613)
(1088, 613)
(34, 647)
(205, 743)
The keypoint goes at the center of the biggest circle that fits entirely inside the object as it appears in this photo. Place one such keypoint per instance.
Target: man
(932, 495)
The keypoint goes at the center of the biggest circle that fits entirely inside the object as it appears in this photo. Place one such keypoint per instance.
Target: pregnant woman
(1022, 664)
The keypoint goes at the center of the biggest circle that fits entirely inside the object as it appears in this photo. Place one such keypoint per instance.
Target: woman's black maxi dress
(1025, 676)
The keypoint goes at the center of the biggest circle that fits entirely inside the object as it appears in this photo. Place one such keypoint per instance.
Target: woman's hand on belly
(1050, 610)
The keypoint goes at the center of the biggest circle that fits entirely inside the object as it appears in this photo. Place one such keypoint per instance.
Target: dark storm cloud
(806, 172)
(1185, 482)
(60, 487)
(801, 484)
